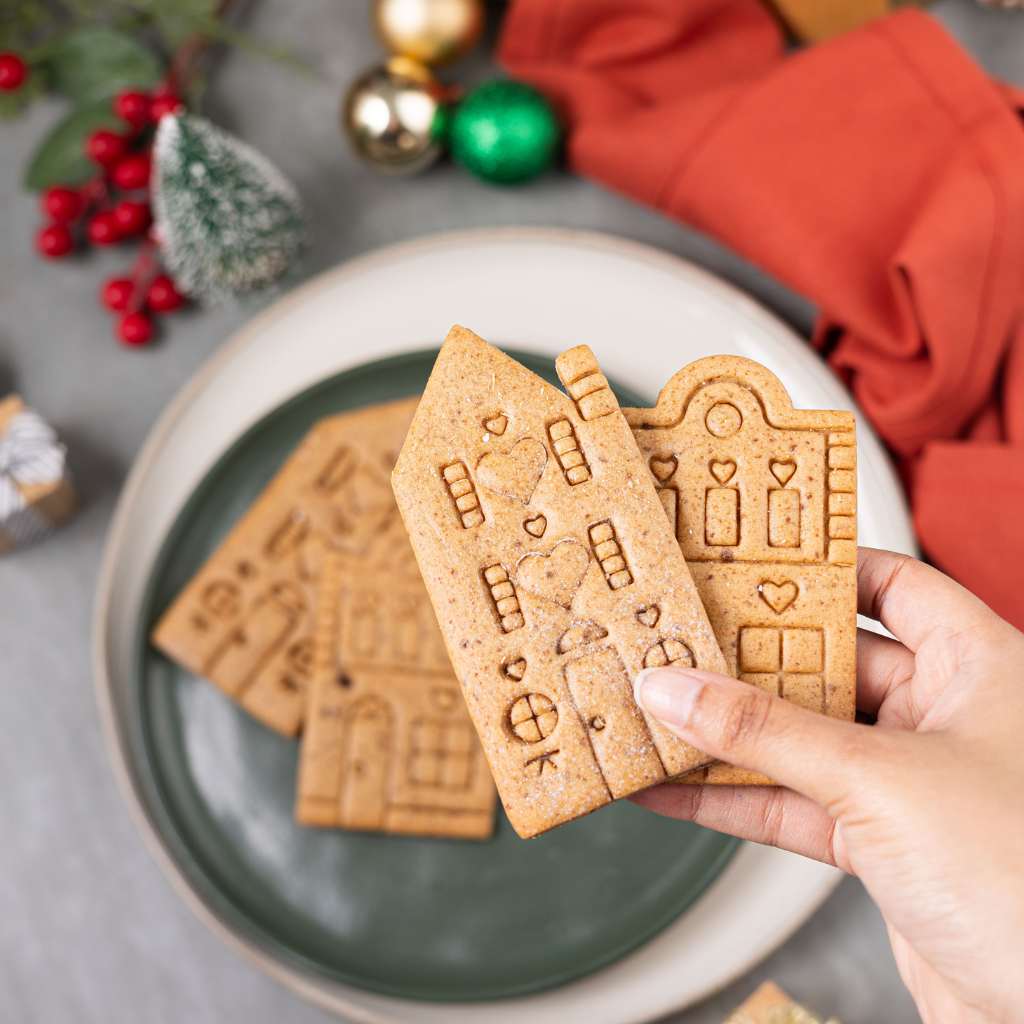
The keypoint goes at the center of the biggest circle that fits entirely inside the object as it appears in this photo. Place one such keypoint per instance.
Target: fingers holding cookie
(769, 815)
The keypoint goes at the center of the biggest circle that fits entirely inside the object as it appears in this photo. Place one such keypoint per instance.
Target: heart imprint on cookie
(554, 575)
(515, 473)
(722, 471)
(536, 525)
(778, 596)
(496, 424)
(663, 468)
(782, 470)
(648, 615)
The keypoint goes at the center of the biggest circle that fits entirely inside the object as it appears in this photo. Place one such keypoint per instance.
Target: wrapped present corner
(35, 491)
(770, 1005)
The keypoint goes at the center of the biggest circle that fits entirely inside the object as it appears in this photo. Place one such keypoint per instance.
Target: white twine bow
(29, 454)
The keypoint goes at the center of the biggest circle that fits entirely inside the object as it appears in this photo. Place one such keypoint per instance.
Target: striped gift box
(35, 491)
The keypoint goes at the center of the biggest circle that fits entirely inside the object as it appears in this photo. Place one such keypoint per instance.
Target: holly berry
(163, 295)
(132, 107)
(116, 294)
(132, 217)
(13, 72)
(105, 147)
(55, 241)
(135, 329)
(103, 229)
(164, 103)
(63, 204)
(132, 172)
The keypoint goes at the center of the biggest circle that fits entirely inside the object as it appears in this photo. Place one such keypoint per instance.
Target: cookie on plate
(388, 745)
(554, 574)
(245, 621)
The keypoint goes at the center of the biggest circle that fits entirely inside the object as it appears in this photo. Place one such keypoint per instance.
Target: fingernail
(667, 693)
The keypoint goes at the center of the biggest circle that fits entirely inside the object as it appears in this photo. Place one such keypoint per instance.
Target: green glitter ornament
(504, 132)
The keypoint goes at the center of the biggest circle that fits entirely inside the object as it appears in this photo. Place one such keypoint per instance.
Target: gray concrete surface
(90, 931)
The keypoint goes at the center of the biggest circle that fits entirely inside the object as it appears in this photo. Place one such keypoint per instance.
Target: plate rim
(171, 415)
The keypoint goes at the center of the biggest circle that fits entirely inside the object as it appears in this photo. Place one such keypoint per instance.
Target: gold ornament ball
(392, 115)
(431, 31)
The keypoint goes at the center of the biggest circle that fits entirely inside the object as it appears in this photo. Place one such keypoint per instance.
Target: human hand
(926, 807)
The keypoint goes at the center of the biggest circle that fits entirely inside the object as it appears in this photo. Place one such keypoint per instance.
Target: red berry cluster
(114, 207)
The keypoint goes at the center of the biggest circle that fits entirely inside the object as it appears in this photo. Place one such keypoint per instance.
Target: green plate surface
(419, 918)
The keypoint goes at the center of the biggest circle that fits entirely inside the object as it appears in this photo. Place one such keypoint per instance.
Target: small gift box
(35, 491)
(770, 1005)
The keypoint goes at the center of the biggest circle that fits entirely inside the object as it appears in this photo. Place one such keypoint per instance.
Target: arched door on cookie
(365, 771)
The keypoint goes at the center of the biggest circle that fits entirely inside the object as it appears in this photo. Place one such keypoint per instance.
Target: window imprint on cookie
(723, 419)
(463, 494)
(722, 505)
(567, 450)
(668, 651)
(441, 753)
(364, 634)
(842, 499)
(663, 468)
(288, 537)
(504, 597)
(336, 470)
(532, 717)
(222, 600)
(789, 663)
(406, 629)
(783, 506)
(608, 552)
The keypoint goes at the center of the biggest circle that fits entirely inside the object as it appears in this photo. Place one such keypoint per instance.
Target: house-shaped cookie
(554, 574)
(245, 621)
(762, 498)
(388, 745)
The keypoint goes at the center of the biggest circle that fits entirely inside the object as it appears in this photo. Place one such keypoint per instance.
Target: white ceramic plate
(645, 314)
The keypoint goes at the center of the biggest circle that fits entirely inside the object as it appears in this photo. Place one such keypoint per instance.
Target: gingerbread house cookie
(245, 621)
(554, 574)
(762, 499)
(388, 745)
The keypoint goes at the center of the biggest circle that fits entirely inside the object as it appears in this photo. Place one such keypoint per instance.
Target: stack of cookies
(564, 544)
(312, 615)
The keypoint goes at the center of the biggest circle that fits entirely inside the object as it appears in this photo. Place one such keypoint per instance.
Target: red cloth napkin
(881, 174)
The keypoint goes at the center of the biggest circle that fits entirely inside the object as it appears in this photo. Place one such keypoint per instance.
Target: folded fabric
(881, 174)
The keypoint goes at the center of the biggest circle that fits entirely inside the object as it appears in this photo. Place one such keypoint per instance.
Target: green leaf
(91, 63)
(183, 18)
(60, 158)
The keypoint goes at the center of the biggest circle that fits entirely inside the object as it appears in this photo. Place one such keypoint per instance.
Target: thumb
(747, 727)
